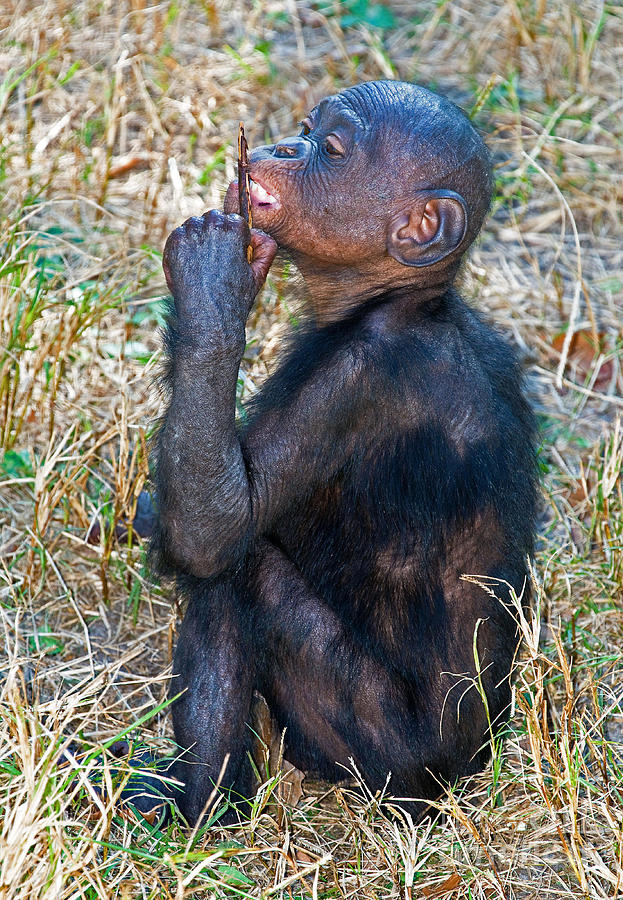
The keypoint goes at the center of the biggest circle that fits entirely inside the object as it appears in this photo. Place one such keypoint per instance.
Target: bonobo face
(321, 192)
(372, 155)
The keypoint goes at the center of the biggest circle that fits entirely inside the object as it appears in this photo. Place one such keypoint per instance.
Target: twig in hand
(244, 188)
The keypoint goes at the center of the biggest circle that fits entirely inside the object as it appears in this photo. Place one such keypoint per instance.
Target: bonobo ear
(429, 230)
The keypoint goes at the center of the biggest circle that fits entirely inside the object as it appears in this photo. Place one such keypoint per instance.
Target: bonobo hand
(206, 268)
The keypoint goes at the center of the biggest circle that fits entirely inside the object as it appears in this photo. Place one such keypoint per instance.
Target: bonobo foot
(147, 791)
(150, 788)
(154, 786)
(142, 524)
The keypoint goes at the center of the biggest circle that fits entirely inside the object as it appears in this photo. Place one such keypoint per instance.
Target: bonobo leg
(338, 699)
(214, 668)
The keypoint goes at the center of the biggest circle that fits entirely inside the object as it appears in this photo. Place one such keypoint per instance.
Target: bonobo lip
(261, 198)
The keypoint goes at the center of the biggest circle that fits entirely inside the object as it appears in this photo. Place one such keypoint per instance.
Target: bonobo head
(386, 185)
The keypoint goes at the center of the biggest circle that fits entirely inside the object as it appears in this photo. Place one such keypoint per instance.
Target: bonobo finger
(234, 222)
(214, 218)
(169, 253)
(239, 229)
(264, 250)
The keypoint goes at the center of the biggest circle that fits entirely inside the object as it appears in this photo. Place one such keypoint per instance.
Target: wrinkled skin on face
(374, 166)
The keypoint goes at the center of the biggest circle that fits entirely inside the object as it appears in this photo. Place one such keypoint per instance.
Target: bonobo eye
(334, 146)
(306, 127)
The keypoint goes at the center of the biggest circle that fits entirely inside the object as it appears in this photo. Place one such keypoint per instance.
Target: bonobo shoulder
(442, 337)
(317, 365)
(445, 348)
(446, 364)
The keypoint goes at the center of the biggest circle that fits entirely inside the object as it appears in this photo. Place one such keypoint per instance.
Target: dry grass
(117, 121)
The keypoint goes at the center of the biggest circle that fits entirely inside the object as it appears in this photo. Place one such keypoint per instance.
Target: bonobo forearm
(204, 492)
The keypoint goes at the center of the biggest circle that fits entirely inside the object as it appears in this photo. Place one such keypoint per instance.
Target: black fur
(321, 547)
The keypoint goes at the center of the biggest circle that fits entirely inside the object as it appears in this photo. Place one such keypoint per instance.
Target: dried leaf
(291, 785)
(267, 753)
(583, 354)
(445, 887)
(126, 165)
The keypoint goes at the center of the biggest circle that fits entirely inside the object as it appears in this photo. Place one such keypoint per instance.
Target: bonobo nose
(288, 148)
(292, 148)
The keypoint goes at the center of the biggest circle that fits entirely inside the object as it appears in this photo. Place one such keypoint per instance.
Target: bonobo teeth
(260, 195)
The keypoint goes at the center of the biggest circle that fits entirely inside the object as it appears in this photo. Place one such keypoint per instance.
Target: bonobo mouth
(261, 198)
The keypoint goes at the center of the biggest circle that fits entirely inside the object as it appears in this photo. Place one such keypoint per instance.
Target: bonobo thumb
(264, 249)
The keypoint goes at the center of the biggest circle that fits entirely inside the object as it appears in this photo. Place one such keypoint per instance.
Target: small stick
(244, 188)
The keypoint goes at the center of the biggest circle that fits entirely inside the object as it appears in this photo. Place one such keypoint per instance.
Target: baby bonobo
(321, 544)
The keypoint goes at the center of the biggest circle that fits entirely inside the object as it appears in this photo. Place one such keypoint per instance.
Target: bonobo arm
(212, 496)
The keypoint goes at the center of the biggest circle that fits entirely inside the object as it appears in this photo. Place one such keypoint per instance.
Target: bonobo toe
(144, 789)
(119, 749)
